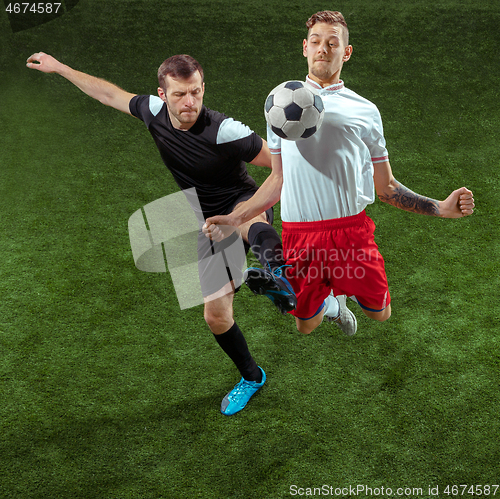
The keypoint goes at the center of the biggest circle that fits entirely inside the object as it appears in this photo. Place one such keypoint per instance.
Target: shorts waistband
(326, 225)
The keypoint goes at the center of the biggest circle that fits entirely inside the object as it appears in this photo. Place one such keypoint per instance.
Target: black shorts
(223, 262)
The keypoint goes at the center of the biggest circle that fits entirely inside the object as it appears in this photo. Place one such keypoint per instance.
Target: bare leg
(219, 309)
(381, 316)
(309, 325)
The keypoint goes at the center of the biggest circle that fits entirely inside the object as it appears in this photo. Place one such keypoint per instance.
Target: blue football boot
(239, 396)
(274, 285)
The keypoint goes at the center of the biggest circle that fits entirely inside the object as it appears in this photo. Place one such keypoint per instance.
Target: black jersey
(210, 156)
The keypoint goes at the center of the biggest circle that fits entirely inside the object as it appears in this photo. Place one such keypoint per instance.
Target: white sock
(332, 306)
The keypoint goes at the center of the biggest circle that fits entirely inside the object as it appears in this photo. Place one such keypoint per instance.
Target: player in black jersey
(207, 151)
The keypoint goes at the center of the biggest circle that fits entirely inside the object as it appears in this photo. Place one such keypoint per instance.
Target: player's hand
(43, 62)
(218, 228)
(459, 203)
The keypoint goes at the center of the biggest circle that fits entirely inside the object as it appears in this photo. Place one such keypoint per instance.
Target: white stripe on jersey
(155, 104)
(231, 130)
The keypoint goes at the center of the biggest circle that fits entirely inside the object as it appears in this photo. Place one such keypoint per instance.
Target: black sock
(266, 245)
(234, 344)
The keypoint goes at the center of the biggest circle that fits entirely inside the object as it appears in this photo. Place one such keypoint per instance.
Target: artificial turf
(108, 390)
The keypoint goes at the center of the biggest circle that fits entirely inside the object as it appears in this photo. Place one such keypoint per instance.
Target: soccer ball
(293, 111)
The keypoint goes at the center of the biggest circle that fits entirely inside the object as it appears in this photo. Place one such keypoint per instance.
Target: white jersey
(330, 175)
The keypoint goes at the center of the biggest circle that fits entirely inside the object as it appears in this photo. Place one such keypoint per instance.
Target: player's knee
(213, 319)
(305, 331)
(217, 320)
(387, 314)
(307, 326)
(381, 316)
(304, 328)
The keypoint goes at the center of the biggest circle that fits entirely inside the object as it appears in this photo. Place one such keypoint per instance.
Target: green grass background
(108, 390)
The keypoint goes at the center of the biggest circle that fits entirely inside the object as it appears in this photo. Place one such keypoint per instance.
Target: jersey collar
(336, 87)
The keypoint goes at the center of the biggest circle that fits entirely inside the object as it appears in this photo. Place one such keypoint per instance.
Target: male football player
(326, 182)
(206, 150)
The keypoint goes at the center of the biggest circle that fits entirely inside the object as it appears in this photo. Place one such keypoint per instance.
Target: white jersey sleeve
(374, 139)
(231, 130)
(273, 141)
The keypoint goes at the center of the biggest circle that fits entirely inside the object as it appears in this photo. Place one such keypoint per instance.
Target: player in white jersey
(325, 183)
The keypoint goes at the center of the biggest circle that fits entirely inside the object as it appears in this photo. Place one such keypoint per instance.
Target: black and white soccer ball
(293, 111)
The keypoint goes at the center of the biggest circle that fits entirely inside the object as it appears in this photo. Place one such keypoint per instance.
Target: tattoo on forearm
(408, 200)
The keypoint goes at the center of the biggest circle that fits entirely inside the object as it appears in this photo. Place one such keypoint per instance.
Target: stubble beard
(181, 118)
(322, 74)
(186, 120)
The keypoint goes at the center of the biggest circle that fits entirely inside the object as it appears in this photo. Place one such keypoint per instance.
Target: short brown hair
(178, 66)
(329, 17)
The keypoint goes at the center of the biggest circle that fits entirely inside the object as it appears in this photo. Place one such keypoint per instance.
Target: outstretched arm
(105, 92)
(459, 203)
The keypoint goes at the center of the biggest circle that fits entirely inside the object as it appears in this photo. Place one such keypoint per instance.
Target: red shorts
(338, 255)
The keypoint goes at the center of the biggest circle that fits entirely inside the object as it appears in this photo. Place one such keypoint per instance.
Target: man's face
(184, 99)
(326, 52)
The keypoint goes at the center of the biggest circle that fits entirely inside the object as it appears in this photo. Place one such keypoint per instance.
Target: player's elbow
(386, 189)
(383, 197)
(115, 102)
(386, 194)
(105, 99)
